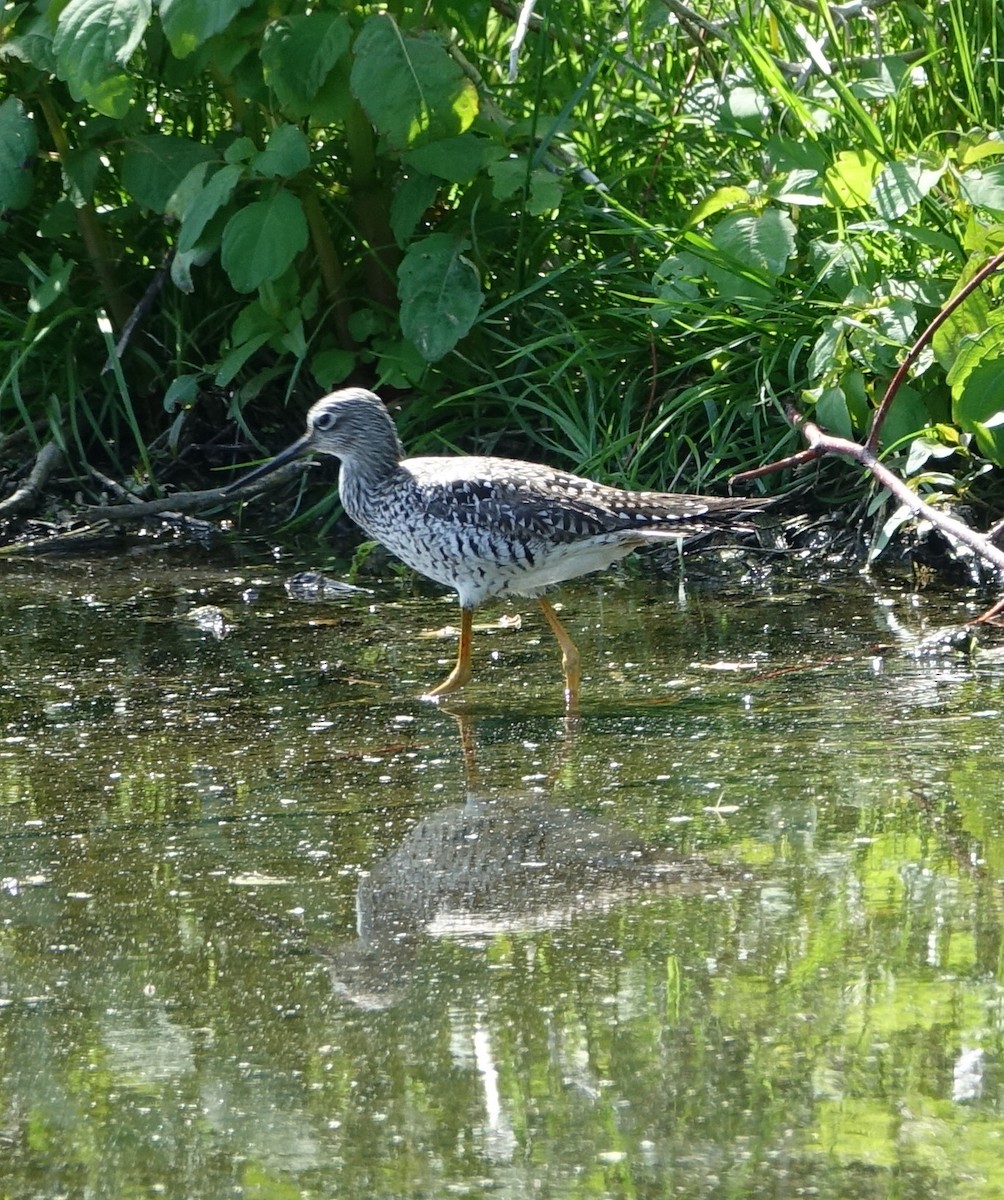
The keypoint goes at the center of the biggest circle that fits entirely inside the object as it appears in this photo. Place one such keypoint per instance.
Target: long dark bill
(298, 449)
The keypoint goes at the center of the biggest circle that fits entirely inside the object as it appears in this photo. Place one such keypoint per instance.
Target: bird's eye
(324, 421)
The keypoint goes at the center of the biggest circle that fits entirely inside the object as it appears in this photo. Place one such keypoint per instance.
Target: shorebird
(486, 526)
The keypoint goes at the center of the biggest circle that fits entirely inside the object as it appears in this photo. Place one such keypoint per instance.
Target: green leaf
(80, 173)
(189, 23)
(762, 244)
(967, 321)
(238, 356)
(298, 53)
(440, 294)
(261, 240)
(33, 45)
(977, 376)
(674, 283)
(154, 164)
(410, 202)
(720, 199)
(984, 188)
(832, 412)
(94, 39)
(52, 287)
(456, 159)
(285, 154)
(408, 85)
(849, 181)
(508, 177)
(901, 185)
(18, 146)
(217, 192)
(182, 393)
(545, 192)
(331, 366)
(907, 415)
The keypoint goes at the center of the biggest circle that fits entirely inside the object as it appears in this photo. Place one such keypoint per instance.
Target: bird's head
(349, 424)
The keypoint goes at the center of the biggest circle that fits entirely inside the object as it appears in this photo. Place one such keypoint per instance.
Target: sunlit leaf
(94, 39)
(901, 185)
(984, 187)
(411, 89)
(851, 178)
(189, 23)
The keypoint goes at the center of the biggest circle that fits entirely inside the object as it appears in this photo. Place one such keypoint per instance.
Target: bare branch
(28, 493)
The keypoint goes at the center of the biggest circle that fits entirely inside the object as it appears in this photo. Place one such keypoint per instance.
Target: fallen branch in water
(186, 502)
(26, 496)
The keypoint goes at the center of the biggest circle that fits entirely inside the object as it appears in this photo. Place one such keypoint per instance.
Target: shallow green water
(271, 926)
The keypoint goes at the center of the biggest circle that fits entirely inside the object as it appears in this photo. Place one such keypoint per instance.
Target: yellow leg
(461, 672)
(569, 654)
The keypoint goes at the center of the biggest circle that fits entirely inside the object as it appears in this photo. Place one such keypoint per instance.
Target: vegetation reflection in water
(271, 926)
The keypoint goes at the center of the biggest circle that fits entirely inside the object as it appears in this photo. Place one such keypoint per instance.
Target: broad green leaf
(18, 146)
(238, 356)
(984, 187)
(33, 45)
(94, 39)
(184, 195)
(286, 153)
(189, 23)
(841, 265)
(398, 363)
(674, 283)
(908, 415)
(297, 54)
(990, 438)
(181, 268)
(440, 294)
(240, 150)
(457, 159)
(832, 412)
(801, 187)
(80, 170)
(216, 193)
(747, 107)
(154, 164)
(261, 240)
(901, 185)
(976, 145)
(508, 177)
(761, 243)
(408, 85)
(977, 376)
(849, 181)
(545, 192)
(182, 393)
(967, 321)
(330, 367)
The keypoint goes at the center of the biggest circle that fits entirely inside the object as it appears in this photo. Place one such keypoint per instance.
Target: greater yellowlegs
(485, 526)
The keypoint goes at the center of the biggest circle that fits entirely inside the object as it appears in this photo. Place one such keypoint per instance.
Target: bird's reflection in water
(499, 865)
